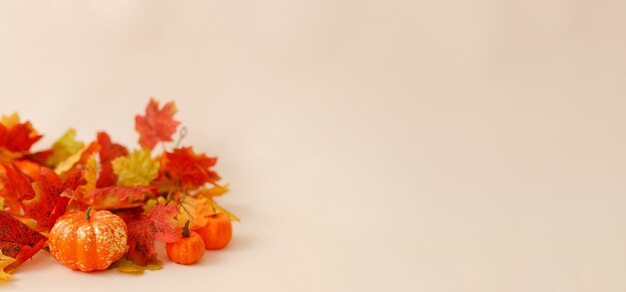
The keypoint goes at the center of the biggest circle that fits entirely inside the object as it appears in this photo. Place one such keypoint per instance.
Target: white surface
(371, 146)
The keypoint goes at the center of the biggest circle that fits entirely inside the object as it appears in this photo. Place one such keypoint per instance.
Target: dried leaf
(220, 210)
(10, 121)
(119, 197)
(4, 262)
(126, 266)
(19, 137)
(78, 160)
(215, 191)
(108, 152)
(17, 186)
(158, 125)
(197, 211)
(138, 169)
(159, 225)
(65, 147)
(47, 205)
(17, 240)
(187, 168)
(90, 176)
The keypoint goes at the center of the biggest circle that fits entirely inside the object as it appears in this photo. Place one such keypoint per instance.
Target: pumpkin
(88, 241)
(188, 250)
(217, 233)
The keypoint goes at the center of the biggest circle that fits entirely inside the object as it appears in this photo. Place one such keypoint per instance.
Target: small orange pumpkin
(217, 233)
(188, 250)
(88, 241)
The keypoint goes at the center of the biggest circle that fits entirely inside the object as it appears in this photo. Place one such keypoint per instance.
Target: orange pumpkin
(88, 241)
(188, 250)
(217, 233)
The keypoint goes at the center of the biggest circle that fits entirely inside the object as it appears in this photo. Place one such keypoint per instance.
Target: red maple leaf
(18, 138)
(16, 185)
(17, 240)
(48, 205)
(108, 152)
(143, 230)
(119, 197)
(158, 125)
(190, 169)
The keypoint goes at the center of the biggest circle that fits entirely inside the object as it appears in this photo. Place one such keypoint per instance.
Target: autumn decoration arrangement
(98, 205)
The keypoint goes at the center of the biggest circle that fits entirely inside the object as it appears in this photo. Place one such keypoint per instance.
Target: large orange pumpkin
(188, 250)
(217, 233)
(88, 241)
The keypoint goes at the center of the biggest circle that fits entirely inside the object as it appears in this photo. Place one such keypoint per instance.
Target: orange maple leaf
(158, 125)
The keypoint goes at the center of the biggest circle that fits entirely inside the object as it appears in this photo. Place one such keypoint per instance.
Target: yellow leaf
(219, 210)
(215, 191)
(65, 147)
(10, 121)
(151, 203)
(1, 201)
(91, 176)
(197, 211)
(139, 169)
(4, 262)
(126, 266)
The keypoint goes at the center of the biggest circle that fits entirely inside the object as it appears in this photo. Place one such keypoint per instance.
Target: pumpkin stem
(87, 216)
(186, 229)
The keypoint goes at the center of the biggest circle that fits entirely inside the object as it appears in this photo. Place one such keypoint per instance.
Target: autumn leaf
(17, 240)
(220, 210)
(47, 205)
(158, 225)
(17, 186)
(19, 137)
(108, 152)
(78, 160)
(157, 125)
(91, 173)
(196, 211)
(138, 169)
(119, 197)
(215, 191)
(127, 266)
(4, 262)
(189, 169)
(64, 147)
(10, 121)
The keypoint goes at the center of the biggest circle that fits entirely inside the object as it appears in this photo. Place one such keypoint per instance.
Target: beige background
(371, 145)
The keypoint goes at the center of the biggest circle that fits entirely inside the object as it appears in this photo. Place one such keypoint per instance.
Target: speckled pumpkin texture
(88, 244)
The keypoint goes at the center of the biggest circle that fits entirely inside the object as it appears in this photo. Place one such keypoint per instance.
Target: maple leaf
(19, 137)
(158, 125)
(137, 169)
(159, 224)
(47, 205)
(119, 197)
(215, 191)
(196, 211)
(17, 240)
(10, 121)
(4, 262)
(217, 209)
(65, 147)
(108, 152)
(90, 177)
(190, 169)
(126, 266)
(78, 160)
(17, 186)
